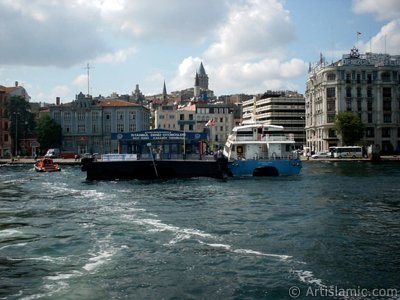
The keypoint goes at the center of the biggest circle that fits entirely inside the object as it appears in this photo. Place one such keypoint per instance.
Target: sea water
(333, 231)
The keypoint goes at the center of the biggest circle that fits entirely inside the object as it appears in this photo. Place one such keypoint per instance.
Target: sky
(246, 46)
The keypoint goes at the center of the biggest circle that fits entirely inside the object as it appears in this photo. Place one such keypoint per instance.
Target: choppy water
(334, 227)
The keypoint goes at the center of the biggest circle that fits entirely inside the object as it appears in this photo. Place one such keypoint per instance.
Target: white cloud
(118, 56)
(80, 81)
(387, 40)
(48, 33)
(382, 9)
(249, 54)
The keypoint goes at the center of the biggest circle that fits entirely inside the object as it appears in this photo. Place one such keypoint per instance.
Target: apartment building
(366, 84)
(88, 124)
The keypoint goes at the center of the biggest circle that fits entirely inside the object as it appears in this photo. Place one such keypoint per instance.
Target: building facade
(87, 124)
(194, 117)
(367, 85)
(7, 142)
(284, 108)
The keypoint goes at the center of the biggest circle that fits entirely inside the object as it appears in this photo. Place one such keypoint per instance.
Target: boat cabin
(259, 141)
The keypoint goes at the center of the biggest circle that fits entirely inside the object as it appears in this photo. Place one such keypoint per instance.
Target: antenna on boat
(152, 156)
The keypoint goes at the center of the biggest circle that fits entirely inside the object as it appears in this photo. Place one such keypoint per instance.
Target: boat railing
(156, 156)
(259, 137)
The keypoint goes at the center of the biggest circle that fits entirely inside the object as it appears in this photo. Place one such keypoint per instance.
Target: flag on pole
(210, 122)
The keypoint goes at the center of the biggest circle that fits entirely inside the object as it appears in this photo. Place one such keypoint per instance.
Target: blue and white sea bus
(259, 149)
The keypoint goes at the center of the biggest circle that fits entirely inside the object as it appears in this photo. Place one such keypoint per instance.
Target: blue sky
(246, 46)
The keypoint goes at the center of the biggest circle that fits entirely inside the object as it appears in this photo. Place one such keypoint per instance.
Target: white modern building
(367, 85)
(284, 108)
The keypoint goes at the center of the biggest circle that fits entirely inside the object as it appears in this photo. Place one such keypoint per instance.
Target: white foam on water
(258, 253)
(309, 278)
(156, 225)
(9, 232)
(13, 245)
(64, 276)
(247, 251)
(99, 259)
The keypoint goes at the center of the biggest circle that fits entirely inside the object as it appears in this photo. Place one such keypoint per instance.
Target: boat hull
(55, 169)
(158, 169)
(239, 168)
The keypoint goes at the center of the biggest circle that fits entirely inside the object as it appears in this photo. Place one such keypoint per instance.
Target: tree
(22, 120)
(49, 133)
(350, 127)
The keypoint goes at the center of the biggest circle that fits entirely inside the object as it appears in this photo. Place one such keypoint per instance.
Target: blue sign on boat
(158, 134)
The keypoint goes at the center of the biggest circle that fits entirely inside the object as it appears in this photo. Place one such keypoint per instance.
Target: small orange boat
(46, 165)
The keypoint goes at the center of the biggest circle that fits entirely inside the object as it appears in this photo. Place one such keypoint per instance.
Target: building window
(359, 92)
(385, 77)
(359, 105)
(95, 128)
(132, 115)
(369, 92)
(387, 92)
(81, 116)
(387, 105)
(387, 118)
(331, 77)
(331, 133)
(181, 117)
(120, 115)
(348, 78)
(81, 128)
(369, 117)
(370, 132)
(369, 105)
(95, 115)
(132, 127)
(120, 127)
(108, 117)
(348, 105)
(369, 78)
(191, 117)
(181, 127)
(330, 92)
(67, 116)
(107, 127)
(348, 92)
(190, 127)
(358, 78)
(385, 132)
(331, 118)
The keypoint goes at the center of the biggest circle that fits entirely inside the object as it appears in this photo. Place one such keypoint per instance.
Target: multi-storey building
(194, 117)
(87, 124)
(285, 108)
(6, 141)
(367, 85)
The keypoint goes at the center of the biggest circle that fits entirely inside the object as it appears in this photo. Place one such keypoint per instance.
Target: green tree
(350, 127)
(22, 120)
(49, 133)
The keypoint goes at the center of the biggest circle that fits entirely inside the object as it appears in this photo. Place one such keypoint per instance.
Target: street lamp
(16, 132)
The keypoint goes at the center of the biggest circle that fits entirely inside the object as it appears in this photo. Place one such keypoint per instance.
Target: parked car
(321, 155)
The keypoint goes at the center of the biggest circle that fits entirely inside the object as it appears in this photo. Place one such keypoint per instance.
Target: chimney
(16, 83)
(57, 100)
